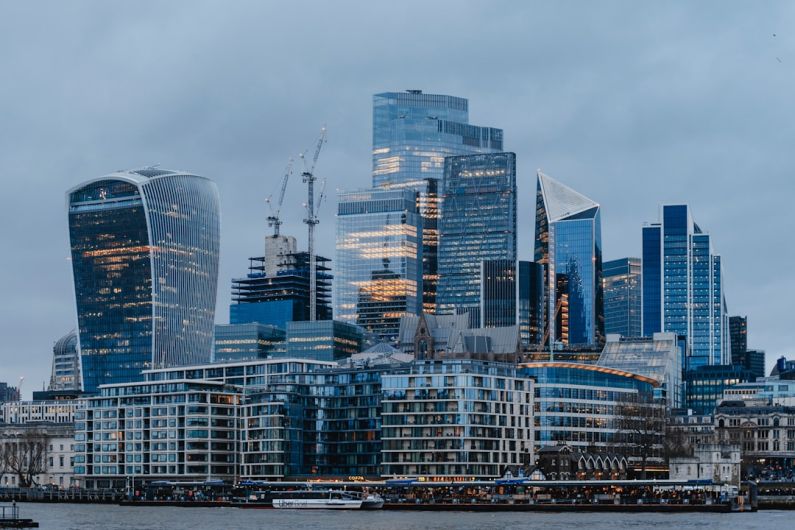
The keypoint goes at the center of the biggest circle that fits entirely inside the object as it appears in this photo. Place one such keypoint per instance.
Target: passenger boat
(328, 499)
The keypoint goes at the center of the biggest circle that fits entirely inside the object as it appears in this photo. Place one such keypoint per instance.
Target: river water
(109, 517)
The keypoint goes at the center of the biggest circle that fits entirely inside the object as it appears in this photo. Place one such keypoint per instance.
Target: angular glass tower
(378, 276)
(412, 134)
(683, 287)
(144, 247)
(478, 224)
(568, 244)
(621, 280)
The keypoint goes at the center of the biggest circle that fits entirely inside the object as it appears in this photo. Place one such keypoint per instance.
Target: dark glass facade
(478, 223)
(751, 360)
(321, 340)
(568, 244)
(704, 385)
(144, 250)
(243, 342)
(622, 291)
(738, 336)
(506, 302)
(651, 266)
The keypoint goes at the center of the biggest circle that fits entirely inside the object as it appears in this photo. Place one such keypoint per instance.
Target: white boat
(324, 500)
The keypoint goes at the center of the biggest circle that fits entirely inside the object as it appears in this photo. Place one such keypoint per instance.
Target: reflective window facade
(705, 385)
(579, 405)
(683, 287)
(621, 281)
(378, 274)
(478, 223)
(504, 302)
(412, 134)
(242, 342)
(651, 280)
(569, 245)
(322, 340)
(145, 261)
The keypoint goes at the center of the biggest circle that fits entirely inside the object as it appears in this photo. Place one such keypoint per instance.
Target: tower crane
(308, 176)
(273, 219)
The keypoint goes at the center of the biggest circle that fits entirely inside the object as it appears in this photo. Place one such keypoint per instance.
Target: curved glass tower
(145, 261)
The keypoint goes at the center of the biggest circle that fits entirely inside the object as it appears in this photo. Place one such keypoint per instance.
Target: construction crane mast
(273, 219)
(311, 220)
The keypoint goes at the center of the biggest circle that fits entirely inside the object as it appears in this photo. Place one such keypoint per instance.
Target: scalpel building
(144, 247)
(569, 245)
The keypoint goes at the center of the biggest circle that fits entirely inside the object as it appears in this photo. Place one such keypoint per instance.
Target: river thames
(110, 517)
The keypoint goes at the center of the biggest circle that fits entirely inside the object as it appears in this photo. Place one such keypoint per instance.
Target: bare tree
(641, 421)
(676, 442)
(25, 456)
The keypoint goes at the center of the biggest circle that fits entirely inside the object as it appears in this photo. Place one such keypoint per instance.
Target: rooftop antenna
(308, 176)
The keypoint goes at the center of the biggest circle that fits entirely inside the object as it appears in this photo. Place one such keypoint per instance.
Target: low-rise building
(582, 405)
(37, 454)
(158, 430)
(448, 418)
(719, 463)
(51, 411)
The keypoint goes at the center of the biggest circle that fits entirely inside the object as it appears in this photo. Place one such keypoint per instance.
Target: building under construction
(276, 289)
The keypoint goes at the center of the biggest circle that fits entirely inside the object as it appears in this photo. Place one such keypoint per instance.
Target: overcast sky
(631, 105)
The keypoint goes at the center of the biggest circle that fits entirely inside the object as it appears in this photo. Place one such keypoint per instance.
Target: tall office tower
(738, 336)
(378, 275)
(479, 223)
(683, 287)
(504, 301)
(145, 261)
(412, 134)
(65, 365)
(568, 244)
(276, 289)
(621, 282)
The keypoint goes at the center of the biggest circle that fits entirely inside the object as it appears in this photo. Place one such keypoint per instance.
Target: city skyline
(699, 154)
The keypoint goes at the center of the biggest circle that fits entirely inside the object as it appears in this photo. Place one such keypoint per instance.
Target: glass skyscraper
(144, 247)
(568, 244)
(683, 287)
(478, 223)
(621, 281)
(412, 134)
(506, 301)
(378, 276)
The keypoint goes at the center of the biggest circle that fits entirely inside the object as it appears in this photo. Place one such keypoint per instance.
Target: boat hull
(317, 504)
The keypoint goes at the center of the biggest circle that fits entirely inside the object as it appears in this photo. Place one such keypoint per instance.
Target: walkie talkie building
(144, 247)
